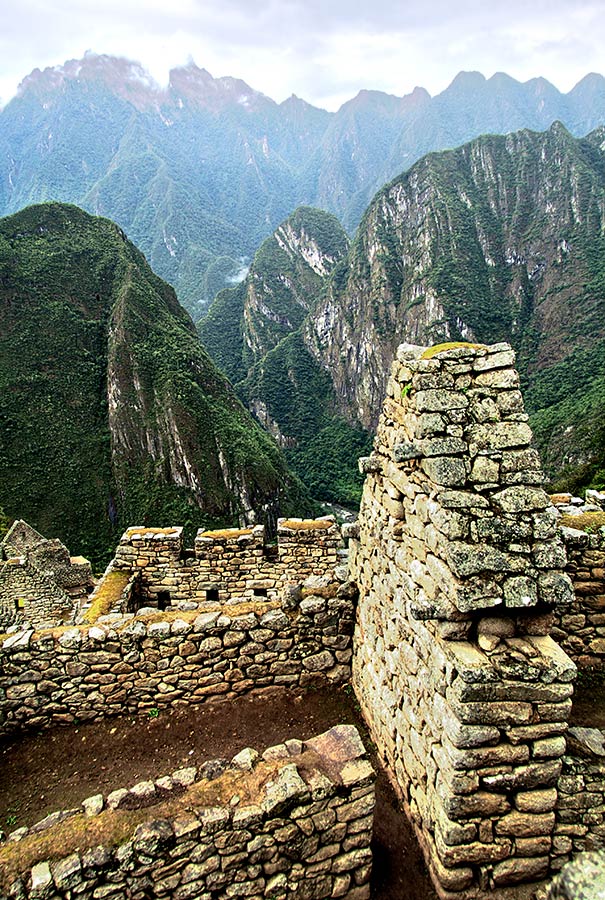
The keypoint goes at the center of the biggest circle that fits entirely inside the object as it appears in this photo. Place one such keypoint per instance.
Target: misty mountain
(199, 172)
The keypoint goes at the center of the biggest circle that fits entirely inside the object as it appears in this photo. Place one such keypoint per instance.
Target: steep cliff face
(286, 277)
(112, 412)
(255, 334)
(500, 239)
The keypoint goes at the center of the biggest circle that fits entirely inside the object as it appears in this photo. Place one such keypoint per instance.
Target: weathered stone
(518, 499)
(446, 470)
(520, 591)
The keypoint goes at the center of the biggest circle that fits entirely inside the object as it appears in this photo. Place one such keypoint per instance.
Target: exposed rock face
(284, 283)
(498, 240)
(255, 333)
(113, 410)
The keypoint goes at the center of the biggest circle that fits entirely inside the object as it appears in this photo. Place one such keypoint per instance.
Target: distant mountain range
(500, 239)
(112, 413)
(200, 172)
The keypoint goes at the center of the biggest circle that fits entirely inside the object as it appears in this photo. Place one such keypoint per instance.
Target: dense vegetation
(112, 413)
(200, 173)
(255, 333)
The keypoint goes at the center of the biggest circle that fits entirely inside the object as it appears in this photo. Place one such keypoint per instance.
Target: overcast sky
(321, 50)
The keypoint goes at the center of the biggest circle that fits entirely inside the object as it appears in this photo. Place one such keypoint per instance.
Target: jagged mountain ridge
(200, 172)
(112, 412)
(501, 239)
(254, 333)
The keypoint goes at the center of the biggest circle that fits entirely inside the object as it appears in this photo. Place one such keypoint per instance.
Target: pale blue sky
(322, 50)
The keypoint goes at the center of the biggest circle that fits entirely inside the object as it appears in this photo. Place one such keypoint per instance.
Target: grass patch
(451, 345)
(588, 521)
(107, 595)
(227, 533)
(306, 524)
(142, 530)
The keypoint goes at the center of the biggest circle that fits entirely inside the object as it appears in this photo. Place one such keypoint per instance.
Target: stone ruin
(40, 583)
(468, 628)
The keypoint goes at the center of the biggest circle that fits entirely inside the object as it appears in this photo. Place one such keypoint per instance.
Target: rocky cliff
(501, 239)
(112, 412)
(255, 333)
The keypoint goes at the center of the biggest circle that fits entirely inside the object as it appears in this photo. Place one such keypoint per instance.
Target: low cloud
(324, 52)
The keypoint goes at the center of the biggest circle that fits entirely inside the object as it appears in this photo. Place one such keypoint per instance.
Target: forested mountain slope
(112, 413)
(501, 239)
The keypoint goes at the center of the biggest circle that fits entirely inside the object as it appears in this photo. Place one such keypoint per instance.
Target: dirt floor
(57, 769)
(589, 701)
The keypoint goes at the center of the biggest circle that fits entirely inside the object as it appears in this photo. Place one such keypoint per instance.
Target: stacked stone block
(232, 561)
(28, 595)
(228, 564)
(130, 664)
(580, 629)
(580, 809)
(40, 583)
(308, 546)
(459, 564)
(296, 823)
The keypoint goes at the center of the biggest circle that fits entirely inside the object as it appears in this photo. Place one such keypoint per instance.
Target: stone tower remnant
(459, 565)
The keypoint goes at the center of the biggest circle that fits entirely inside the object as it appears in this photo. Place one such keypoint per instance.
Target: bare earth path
(58, 769)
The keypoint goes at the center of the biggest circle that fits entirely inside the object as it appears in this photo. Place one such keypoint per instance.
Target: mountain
(199, 172)
(254, 333)
(500, 239)
(112, 413)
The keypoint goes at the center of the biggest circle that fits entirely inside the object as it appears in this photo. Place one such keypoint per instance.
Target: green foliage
(81, 308)
(321, 446)
(5, 523)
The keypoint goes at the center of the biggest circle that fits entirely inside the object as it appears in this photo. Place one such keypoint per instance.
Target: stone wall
(41, 585)
(580, 629)
(230, 564)
(459, 565)
(29, 596)
(128, 664)
(296, 823)
(581, 803)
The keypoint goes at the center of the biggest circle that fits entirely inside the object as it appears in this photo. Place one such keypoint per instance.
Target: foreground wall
(295, 824)
(459, 564)
(132, 664)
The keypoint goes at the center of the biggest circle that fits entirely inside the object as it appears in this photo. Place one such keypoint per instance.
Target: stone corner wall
(459, 566)
(294, 823)
(580, 628)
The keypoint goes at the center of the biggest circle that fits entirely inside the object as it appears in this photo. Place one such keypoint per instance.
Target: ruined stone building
(40, 583)
(461, 620)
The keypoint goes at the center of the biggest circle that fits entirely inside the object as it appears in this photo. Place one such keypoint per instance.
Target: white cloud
(323, 51)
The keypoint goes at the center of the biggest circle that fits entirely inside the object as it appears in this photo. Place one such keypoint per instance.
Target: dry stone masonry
(459, 565)
(294, 823)
(464, 577)
(580, 628)
(229, 564)
(41, 585)
(130, 664)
